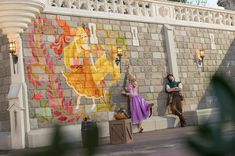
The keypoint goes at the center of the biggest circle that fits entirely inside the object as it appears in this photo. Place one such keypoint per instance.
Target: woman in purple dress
(140, 109)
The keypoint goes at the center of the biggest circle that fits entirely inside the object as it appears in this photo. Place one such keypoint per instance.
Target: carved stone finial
(15, 21)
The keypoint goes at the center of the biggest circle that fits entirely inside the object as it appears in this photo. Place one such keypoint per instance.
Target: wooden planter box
(120, 131)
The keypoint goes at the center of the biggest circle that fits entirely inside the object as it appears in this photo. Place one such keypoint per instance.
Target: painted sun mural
(89, 69)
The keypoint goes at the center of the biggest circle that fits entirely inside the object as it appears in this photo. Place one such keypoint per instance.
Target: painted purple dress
(140, 108)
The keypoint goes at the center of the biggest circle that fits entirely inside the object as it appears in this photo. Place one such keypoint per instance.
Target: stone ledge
(191, 118)
(72, 133)
(159, 122)
(200, 116)
(207, 115)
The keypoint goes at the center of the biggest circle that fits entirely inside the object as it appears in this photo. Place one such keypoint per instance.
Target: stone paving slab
(168, 142)
(156, 143)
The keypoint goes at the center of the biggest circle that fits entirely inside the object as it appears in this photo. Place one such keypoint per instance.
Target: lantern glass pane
(12, 47)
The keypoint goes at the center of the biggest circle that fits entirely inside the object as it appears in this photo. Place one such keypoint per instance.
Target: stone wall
(5, 81)
(218, 58)
(147, 62)
(52, 99)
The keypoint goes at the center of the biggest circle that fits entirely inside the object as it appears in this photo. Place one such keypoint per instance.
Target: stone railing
(152, 9)
(131, 7)
(204, 15)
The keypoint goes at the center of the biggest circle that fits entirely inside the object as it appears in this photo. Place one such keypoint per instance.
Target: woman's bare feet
(141, 130)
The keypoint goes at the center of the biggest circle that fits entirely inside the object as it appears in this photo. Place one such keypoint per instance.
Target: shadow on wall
(217, 138)
(197, 89)
(162, 100)
(226, 69)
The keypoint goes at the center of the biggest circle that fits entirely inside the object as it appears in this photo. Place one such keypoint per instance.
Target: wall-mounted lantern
(118, 60)
(199, 56)
(12, 51)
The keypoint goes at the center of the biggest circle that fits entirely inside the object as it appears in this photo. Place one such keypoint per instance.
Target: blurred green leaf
(212, 139)
(226, 96)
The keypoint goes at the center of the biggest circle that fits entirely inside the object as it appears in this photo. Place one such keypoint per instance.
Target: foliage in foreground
(214, 139)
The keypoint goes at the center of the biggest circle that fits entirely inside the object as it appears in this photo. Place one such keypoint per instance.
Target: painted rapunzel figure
(85, 75)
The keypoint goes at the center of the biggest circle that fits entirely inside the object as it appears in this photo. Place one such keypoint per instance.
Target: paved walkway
(168, 142)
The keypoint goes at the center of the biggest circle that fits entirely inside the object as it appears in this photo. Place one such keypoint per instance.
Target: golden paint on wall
(90, 69)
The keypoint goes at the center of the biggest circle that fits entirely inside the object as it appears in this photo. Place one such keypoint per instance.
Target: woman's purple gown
(140, 108)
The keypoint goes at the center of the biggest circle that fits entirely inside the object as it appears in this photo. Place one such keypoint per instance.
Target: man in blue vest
(175, 98)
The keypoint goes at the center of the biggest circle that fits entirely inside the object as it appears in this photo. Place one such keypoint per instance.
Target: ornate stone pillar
(15, 15)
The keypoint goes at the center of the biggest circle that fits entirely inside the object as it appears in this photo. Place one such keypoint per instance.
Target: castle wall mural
(78, 58)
